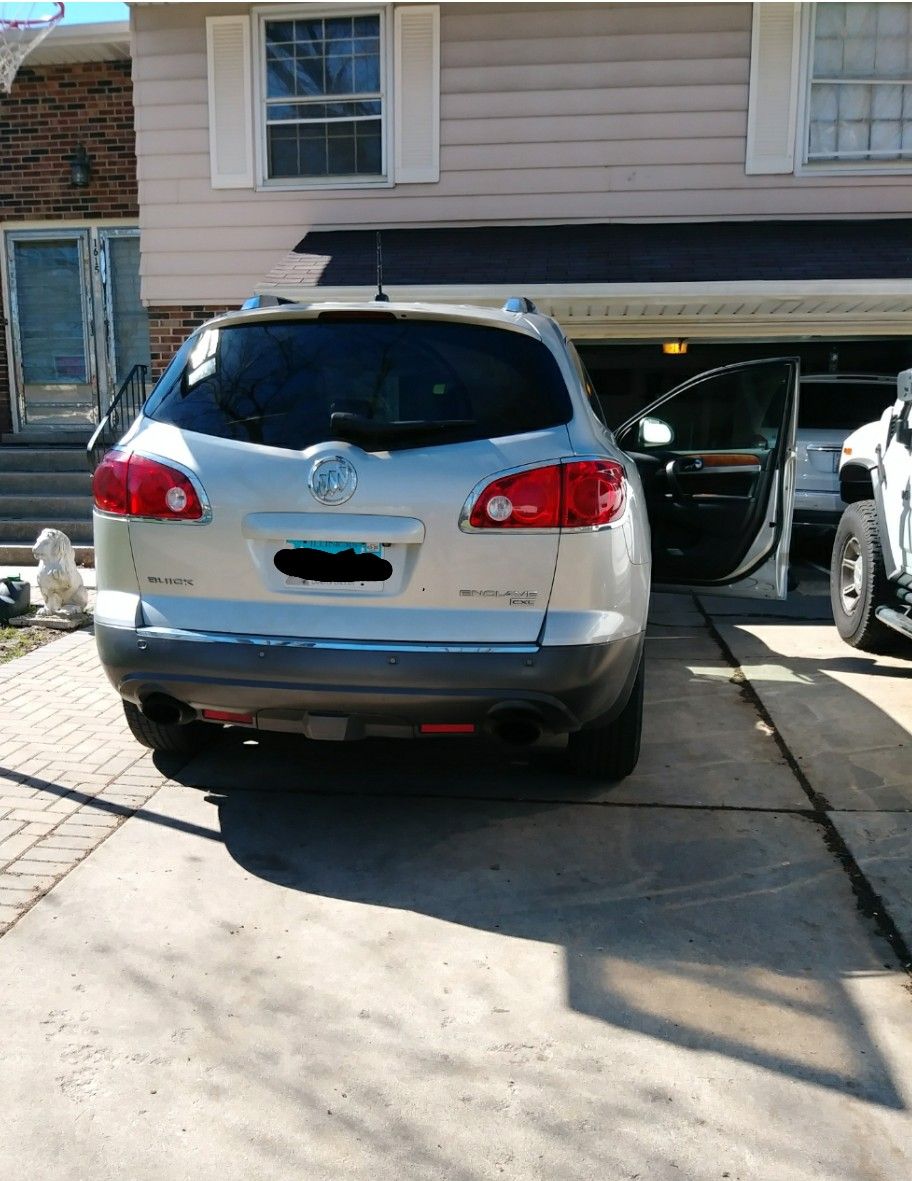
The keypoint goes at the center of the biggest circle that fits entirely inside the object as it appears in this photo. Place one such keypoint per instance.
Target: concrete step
(21, 558)
(43, 459)
(76, 508)
(44, 487)
(25, 530)
(59, 438)
(78, 484)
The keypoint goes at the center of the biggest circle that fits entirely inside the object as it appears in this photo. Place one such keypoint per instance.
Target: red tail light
(578, 495)
(525, 500)
(109, 484)
(594, 493)
(136, 486)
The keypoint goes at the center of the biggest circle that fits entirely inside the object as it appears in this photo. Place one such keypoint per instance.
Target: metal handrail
(123, 411)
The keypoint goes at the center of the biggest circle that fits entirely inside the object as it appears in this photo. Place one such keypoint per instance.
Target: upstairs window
(860, 84)
(308, 97)
(323, 78)
(830, 88)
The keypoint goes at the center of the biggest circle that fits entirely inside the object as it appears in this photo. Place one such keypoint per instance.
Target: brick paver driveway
(70, 771)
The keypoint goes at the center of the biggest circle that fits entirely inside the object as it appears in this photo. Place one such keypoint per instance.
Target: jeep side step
(899, 621)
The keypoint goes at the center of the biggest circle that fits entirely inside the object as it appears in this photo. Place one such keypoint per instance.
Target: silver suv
(406, 520)
(832, 405)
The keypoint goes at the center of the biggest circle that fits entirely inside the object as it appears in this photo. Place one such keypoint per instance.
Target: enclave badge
(333, 480)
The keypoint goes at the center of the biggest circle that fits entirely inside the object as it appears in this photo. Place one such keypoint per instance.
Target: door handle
(682, 465)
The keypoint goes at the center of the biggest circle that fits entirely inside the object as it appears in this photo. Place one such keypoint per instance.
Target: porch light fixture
(80, 167)
(674, 348)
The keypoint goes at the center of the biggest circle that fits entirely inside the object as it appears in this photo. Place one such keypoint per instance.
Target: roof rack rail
(263, 301)
(520, 305)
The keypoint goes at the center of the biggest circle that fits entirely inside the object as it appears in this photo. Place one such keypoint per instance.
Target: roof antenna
(381, 296)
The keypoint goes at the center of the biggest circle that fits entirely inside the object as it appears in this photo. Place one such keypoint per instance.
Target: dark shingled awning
(617, 253)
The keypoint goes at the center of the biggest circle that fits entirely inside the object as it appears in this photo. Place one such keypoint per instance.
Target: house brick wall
(50, 110)
(170, 326)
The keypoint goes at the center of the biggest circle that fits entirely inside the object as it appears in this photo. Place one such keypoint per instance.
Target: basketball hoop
(20, 34)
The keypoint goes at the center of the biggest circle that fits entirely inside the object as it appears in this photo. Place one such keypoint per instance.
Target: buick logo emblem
(333, 480)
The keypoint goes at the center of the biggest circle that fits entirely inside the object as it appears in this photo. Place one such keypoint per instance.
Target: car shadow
(708, 928)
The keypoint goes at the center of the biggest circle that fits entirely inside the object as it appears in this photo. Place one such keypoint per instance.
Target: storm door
(126, 320)
(77, 324)
(53, 328)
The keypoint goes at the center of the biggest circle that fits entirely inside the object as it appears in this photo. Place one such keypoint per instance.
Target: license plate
(335, 547)
(338, 547)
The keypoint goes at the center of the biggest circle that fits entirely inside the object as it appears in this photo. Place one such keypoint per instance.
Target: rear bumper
(396, 685)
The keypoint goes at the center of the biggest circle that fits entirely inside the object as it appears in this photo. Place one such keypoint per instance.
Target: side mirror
(653, 432)
(904, 386)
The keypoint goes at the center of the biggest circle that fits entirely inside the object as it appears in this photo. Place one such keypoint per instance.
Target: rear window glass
(842, 405)
(279, 383)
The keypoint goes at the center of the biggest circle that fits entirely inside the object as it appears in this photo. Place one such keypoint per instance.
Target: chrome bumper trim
(199, 637)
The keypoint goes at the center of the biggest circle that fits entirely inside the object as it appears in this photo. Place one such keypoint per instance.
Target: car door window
(731, 409)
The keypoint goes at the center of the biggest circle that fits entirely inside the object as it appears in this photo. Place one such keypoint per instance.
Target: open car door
(716, 456)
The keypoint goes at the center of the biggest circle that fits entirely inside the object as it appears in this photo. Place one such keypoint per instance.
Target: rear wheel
(611, 752)
(178, 740)
(858, 580)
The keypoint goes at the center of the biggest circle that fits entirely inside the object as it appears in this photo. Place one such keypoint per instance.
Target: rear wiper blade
(356, 429)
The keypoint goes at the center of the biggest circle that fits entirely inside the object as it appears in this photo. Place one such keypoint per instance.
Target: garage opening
(628, 376)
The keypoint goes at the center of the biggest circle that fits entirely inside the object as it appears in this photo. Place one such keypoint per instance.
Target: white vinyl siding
(548, 113)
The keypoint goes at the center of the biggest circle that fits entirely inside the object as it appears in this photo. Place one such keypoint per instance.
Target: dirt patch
(16, 641)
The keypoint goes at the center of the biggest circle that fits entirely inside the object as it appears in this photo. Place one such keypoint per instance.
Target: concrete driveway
(397, 961)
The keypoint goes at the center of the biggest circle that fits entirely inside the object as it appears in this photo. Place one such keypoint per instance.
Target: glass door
(126, 320)
(53, 327)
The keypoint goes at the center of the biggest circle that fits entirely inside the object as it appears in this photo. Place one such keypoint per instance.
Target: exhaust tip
(515, 725)
(518, 731)
(166, 711)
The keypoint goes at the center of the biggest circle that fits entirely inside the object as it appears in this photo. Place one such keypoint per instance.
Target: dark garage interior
(629, 375)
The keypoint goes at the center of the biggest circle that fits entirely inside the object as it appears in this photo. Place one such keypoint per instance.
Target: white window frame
(805, 167)
(259, 15)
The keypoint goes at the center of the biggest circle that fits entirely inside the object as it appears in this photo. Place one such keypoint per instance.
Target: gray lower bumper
(566, 687)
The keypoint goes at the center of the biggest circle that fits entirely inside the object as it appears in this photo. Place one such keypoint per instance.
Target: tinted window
(278, 383)
(734, 408)
(843, 405)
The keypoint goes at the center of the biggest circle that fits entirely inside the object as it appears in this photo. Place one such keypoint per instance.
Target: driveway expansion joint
(869, 902)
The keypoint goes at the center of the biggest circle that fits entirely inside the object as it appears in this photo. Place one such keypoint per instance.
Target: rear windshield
(385, 384)
(843, 405)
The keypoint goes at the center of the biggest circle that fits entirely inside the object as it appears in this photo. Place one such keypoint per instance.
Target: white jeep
(871, 570)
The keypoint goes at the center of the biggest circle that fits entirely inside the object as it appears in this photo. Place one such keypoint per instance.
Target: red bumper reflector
(446, 728)
(227, 715)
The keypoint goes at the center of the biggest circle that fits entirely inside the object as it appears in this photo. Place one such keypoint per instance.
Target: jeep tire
(858, 580)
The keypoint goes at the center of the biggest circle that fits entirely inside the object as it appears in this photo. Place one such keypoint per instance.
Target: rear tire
(858, 580)
(611, 752)
(175, 740)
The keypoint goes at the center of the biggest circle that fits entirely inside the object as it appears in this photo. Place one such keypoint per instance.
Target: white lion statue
(59, 581)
